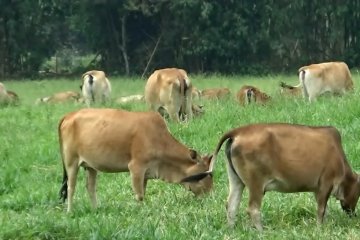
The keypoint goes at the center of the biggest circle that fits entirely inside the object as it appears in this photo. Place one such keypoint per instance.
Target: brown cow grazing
(287, 158)
(248, 94)
(170, 89)
(215, 93)
(110, 140)
(61, 97)
(7, 97)
(288, 90)
(95, 87)
(334, 77)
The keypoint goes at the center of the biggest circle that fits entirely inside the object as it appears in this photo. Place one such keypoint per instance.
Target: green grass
(31, 171)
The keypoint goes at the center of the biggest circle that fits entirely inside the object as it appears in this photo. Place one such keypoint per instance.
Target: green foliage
(31, 171)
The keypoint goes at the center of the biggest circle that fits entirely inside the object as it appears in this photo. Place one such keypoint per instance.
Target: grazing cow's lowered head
(170, 89)
(316, 79)
(95, 87)
(110, 140)
(215, 93)
(248, 94)
(61, 97)
(288, 90)
(287, 158)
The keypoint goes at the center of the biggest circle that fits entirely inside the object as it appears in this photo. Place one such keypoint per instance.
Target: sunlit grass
(31, 171)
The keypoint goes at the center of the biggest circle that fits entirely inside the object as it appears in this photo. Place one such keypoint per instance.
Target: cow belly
(286, 187)
(109, 165)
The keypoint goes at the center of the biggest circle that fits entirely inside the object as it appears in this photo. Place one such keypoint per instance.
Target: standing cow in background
(95, 87)
(171, 90)
(332, 77)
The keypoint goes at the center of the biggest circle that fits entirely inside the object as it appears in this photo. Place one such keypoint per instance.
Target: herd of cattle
(259, 156)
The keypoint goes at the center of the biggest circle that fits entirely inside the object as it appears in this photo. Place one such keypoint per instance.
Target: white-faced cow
(170, 89)
(334, 77)
(287, 158)
(110, 140)
(248, 94)
(95, 87)
(61, 97)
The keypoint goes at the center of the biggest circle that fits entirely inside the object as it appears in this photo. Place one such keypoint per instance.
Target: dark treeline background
(224, 36)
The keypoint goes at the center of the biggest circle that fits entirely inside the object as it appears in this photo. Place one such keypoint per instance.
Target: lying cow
(7, 97)
(110, 140)
(334, 77)
(288, 90)
(287, 158)
(95, 87)
(248, 94)
(170, 89)
(215, 93)
(61, 97)
(130, 99)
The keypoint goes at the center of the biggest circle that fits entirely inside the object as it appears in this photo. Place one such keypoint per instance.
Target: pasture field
(31, 171)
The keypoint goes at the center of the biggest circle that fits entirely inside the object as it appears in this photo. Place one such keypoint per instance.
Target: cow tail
(64, 186)
(249, 95)
(91, 83)
(302, 82)
(227, 136)
(183, 88)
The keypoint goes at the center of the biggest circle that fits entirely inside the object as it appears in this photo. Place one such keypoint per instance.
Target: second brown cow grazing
(215, 93)
(287, 158)
(248, 94)
(110, 140)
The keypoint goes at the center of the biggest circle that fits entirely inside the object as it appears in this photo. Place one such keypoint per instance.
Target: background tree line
(137, 36)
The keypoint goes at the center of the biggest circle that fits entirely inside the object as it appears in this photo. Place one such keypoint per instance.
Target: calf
(288, 90)
(334, 77)
(248, 94)
(95, 87)
(170, 89)
(215, 93)
(287, 158)
(110, 140)
(61, 97)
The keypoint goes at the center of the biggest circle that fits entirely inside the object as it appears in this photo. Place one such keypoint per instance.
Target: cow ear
(193, 154)
(195, 178)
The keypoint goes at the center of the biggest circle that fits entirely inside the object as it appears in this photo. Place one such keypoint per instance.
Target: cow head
(351, 194)
(199, 178)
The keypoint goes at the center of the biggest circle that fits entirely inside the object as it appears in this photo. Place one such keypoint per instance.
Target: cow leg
(322, 196)
(72, 174)
(91, 185)
(256, 193)
(173, 113)
(235, 192)
(138, 180)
